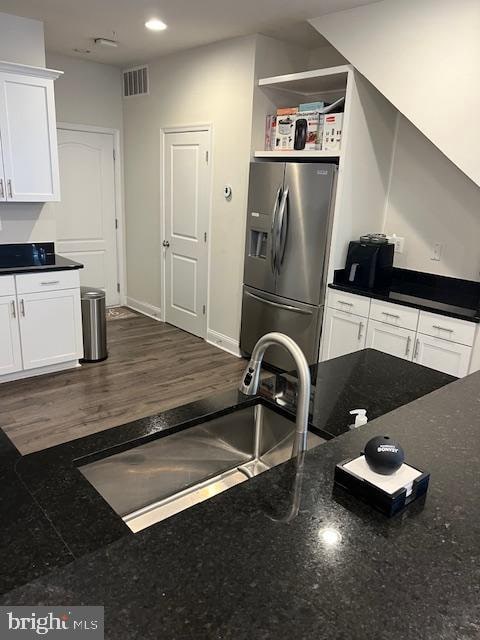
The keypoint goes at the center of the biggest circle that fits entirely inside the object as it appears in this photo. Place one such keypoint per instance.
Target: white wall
(88, 92)
(430, 200)
(21, 40)
(424, 56)
(211, 84)
(325, 56)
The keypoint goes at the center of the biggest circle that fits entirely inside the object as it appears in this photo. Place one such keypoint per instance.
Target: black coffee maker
(370, 262)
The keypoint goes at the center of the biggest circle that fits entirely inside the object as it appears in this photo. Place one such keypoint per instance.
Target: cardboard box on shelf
(332, 131)
(270, 132)
(284, 133)
(312, 106)
(287, 111)
(308, 131)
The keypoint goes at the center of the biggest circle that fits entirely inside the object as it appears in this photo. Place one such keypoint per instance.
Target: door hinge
(114, 155)
(116, 223)
(118, 287)
(206, 156)
(205, 236)
(204, 309)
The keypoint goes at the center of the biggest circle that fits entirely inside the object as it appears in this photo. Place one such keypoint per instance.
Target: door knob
(166, 243)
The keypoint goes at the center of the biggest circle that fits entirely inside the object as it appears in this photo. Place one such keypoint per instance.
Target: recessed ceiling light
(155, 25)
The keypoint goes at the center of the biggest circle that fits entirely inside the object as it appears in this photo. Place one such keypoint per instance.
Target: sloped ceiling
(424, 56)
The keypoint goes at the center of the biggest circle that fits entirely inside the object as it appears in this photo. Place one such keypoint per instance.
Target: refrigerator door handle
(287, 307)
(274, 232)
(282, 229)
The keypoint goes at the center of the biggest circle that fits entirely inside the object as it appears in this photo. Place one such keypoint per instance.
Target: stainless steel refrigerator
(289, 216)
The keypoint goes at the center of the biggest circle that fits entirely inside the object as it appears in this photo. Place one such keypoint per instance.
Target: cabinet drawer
(349, 302)
(49, 281)
(446, 328)
(7, 286)
(394, 314)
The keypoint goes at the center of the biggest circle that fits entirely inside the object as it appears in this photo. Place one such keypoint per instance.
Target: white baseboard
(223, 342)
(40, 371)
(145, 308)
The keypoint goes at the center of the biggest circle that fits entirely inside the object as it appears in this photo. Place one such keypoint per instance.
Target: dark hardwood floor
(151, 367)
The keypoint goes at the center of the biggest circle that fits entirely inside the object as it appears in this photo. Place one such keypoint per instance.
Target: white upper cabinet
(3, 193)
(29, 163)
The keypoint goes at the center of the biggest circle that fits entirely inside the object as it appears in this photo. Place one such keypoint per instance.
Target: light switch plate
(437, 251)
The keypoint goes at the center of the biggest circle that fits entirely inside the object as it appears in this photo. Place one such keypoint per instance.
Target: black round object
(384, 455)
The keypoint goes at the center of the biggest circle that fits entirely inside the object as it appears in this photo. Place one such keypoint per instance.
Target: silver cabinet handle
(14, 310)
(360, 330)
(2, 191)
(409, 342)
(50, 282)
(10, 190)
(348, 304)
(390, 315)
(166, 243)
(415, 353)
(436, 326)
(22, 307)
(287, 307)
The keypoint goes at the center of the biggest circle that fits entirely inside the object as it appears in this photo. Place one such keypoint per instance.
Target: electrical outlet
(398, 241)
(437, 251)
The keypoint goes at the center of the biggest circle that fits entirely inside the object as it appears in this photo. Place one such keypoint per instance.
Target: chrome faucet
(251, 378)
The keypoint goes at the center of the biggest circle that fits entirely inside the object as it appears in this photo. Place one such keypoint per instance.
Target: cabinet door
(50, 327)
(442, 355)
(343, 333)
(3, 193)
(29, 138)
(10, 353)
(389, 339)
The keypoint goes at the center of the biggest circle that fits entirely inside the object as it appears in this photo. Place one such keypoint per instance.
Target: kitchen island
(236, 566)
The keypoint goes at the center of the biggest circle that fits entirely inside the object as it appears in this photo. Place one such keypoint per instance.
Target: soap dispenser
(360, 418)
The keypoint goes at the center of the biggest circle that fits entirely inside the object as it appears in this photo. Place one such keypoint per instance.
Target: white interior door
(85, 218)
(186, 211)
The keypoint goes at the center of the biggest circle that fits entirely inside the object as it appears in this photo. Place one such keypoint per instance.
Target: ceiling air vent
(135, 82)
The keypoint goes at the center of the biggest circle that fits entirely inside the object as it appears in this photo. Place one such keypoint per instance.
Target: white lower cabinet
(390, 339)
(439, 342)
(343, 333)
(10, 351)
(40, 325)
(442, 355)
(50, 325)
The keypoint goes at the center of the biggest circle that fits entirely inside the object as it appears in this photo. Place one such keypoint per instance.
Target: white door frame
(184, 129)
(119, 210)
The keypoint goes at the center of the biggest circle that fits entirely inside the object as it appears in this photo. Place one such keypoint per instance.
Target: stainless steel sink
(154, 481)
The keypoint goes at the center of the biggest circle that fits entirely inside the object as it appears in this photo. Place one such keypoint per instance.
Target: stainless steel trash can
(94, 324)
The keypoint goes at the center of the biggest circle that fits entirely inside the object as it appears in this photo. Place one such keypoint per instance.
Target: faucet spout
(251, 379)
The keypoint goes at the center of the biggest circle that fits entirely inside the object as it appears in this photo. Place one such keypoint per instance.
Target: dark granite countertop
(59, 263)
(446, 296)
(32, 257)
(229, 568)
